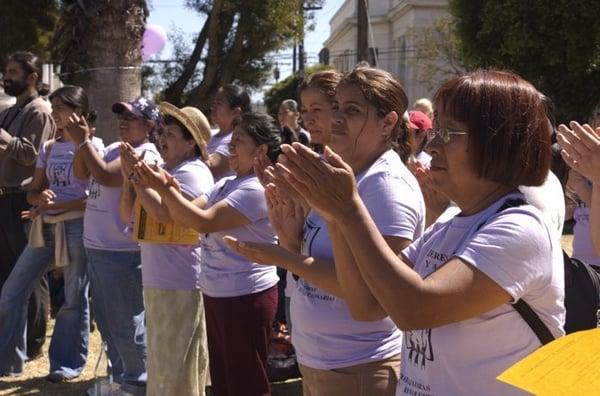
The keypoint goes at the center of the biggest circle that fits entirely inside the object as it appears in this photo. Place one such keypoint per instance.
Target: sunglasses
(443, 134)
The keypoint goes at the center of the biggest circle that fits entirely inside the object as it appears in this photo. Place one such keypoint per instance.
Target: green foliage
(232, 46)
(287, 89)
(555, 45)
(27, 25)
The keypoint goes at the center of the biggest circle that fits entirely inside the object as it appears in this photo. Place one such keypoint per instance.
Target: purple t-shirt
(177, 267)
(324, 334)
(102, 225)
(59, 171)
(224, 272)
(220, 144)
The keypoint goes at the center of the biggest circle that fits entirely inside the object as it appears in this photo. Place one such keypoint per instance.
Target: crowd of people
(403, 234)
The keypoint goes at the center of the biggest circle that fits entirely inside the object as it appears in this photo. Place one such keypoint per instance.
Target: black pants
(13, 239)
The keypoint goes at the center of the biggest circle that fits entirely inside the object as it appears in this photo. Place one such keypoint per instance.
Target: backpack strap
(527, 313)
(533, 320)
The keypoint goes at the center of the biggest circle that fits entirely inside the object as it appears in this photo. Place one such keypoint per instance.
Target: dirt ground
(32, 381)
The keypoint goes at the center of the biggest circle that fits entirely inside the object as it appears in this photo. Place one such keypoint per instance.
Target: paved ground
(33, 383)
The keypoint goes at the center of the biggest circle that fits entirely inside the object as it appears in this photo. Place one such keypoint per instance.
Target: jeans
(117, 300)
(13, 239)
(69, 344)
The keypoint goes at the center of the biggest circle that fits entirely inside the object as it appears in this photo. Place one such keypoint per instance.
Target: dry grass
(33, 382)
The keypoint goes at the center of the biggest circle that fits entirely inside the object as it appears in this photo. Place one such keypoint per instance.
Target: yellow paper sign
(148, 229)
(568, 366)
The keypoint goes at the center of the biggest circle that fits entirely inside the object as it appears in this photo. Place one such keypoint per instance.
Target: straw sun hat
(192, 119)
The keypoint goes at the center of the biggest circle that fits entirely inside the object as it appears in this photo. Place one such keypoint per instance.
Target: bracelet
(86, 141)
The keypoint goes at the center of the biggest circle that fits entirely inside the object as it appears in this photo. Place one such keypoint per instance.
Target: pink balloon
(153, 41)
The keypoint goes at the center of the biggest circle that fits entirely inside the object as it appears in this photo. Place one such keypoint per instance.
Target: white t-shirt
(102, 225)
(516, 250)
(583, 248)
(324, 334)
(224, 272)
(549, 198)
(58, 165)
(177, 267)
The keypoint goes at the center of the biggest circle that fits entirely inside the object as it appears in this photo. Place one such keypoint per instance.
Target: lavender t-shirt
(225, 273)
(59, 171)
(324, 334)
(583, 249)
(102, 225)
(220, 145)
(177, 267)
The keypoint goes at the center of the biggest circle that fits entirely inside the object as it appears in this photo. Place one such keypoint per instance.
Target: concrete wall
(391, 20)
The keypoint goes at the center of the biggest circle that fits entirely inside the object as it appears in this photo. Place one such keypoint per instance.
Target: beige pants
(369, 379)
(177, 351)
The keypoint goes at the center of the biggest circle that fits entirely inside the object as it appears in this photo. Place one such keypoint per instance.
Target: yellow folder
(567, 366)
(148, 229)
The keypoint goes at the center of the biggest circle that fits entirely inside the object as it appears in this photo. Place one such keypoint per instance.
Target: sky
(171, 14)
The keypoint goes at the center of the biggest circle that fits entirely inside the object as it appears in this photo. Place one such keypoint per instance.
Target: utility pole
(362, 43)
(301, 58)
(301, 43)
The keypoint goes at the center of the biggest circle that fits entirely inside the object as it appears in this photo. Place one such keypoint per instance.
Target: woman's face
(316, 113)
(357, 131)
(133, 129)
(220, 111)
(451, 168)
(61, 113)
(287, 117)
(242, 151)
(174, 148)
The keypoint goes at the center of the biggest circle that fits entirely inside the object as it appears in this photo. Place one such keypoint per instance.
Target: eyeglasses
(443, 134)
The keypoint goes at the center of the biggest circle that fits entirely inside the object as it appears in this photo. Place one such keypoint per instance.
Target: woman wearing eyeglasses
(451, 290)
(114, 265)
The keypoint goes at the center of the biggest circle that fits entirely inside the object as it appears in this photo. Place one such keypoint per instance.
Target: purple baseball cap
(141, 107)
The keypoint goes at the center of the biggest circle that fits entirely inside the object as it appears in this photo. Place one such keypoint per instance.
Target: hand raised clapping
(328, 185)
(581, 149)
(78, 128)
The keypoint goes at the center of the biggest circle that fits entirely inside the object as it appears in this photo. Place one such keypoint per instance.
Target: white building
(393, 23)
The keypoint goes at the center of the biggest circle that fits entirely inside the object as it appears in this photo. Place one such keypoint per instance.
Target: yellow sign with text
(566, 366)
(148, 229)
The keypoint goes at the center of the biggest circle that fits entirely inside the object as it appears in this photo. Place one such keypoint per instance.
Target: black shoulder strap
(533, 320)
(527, 313)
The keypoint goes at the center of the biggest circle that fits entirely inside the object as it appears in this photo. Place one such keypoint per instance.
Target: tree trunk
(101, 53)
(174, 92)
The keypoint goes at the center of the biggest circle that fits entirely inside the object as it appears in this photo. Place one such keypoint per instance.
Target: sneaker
(55, 377)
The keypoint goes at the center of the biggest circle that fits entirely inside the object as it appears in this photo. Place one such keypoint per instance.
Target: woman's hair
(508, 125)
(263, 130)
(76, 98)
(385, 94)
(30, 63)
(236, 96)
(291, 105)
(424, 104)
(187, 135)
(325, 81)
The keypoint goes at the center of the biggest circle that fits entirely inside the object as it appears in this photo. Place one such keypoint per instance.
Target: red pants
(238, 333)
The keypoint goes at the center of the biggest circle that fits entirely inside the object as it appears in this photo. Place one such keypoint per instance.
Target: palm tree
(98, 45)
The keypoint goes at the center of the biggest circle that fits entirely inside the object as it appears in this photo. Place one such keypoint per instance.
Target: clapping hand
(128, 160)
(581, 149)
(286, 216)
(328, 185)
(78, 128)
